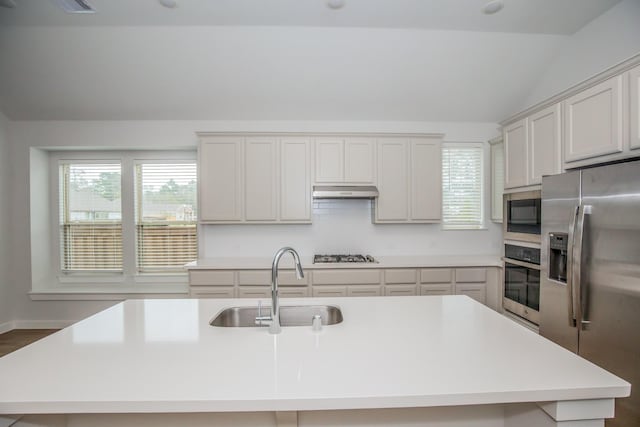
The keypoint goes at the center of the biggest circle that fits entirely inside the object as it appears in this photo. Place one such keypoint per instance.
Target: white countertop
(416, 261)
(162, 356)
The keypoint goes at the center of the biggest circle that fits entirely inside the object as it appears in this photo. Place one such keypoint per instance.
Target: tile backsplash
(345, 226)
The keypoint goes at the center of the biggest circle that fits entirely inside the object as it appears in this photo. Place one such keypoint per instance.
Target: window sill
(95, 293)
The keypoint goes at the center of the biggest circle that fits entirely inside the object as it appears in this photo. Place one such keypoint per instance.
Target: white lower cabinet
(400, 290)
(479, 283)
(254, 292)
(471, 282)
(634, 103)
(329, 291)
(364, 290)
(212, 292)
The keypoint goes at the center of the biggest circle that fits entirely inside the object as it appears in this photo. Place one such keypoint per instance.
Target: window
(90, 217)
(124, 218)
(462, 177)
(165, 216)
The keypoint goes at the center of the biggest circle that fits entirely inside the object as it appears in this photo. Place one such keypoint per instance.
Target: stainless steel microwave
(522, 218)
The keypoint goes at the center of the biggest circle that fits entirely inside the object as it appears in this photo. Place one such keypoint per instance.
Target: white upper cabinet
(359, 160)
(409, 180)
(426, 180)
(295, 187)
(220, 165)
(515, 149)
(260, 179)
(329, 160)
(345, 160)
(532, 148)
(254, 179)
(497, 178)
(593, 121)
(634, 102)
(393, 180)
(544, 144)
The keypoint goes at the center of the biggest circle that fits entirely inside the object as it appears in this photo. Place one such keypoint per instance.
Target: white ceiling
(441, 60)
(520, 16)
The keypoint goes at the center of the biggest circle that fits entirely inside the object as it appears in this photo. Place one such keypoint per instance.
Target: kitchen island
(427, 360)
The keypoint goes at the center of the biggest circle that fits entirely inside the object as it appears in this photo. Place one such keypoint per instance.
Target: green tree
(107, 185)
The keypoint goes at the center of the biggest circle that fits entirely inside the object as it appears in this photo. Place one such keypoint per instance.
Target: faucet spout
(274, 327)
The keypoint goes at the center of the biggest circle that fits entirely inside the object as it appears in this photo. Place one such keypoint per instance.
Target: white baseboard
(41, 324)
(6, 327)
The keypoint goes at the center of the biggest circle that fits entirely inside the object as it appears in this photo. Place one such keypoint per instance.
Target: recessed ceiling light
(492, 7)
(170, 4)
(336, 4)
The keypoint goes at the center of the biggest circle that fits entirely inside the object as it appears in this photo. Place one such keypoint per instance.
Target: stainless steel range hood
(345, 192)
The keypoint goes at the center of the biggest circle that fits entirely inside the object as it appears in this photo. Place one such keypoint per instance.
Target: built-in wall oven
(522, 281)
(523, 216)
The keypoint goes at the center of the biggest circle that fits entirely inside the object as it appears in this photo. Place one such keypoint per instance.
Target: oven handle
(522, 263)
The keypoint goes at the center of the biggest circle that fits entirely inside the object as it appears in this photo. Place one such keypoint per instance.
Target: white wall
(607, 40)
(5, 236)
(352, 230)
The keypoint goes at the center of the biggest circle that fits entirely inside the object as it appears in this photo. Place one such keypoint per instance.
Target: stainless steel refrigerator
(590, 271)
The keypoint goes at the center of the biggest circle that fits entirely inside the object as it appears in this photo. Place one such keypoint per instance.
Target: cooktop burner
(342, 258)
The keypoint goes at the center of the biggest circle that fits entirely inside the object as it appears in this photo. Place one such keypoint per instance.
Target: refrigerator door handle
(577, 266)
(570, 264)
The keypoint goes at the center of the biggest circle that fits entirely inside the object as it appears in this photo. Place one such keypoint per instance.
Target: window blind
(462, 186)
(165, 216)
(90, 217)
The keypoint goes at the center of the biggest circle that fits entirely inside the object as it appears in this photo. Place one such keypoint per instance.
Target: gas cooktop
(342, 258)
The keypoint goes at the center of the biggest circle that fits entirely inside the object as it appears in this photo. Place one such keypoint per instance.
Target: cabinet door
(593, 121)
(393, 181)
(295, 193)
(544, 144)
(436, 289)
(473, 290)
(220, 184)
(515, 148)
(426, 180)
(358, 161)
(329, 160)
(634, 92)
(260, 179)
(497, 179)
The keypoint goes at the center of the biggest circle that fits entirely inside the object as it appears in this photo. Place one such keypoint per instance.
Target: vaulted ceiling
(400, 60)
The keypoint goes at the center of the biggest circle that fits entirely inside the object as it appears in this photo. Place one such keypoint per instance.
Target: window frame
(115, 284)
(482, 225)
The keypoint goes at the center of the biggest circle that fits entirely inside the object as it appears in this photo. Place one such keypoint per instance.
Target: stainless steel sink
(292, 315)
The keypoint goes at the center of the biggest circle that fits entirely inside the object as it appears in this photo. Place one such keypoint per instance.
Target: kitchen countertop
(416, 261)
(162, 356)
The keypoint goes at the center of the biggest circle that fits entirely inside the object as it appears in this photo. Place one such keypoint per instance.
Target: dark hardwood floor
(13, 340)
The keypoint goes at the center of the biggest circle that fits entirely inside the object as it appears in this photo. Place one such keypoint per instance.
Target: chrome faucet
(274, 319)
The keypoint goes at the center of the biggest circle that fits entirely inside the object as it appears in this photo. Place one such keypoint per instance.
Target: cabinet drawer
(254, 277)
(330, 291)
(476, 291)
(435, 275)
(364, 291)
(400, 290)
(293, 292)
(288, 278)
(443, 289)
(400, 276)
(471, 275)
(212, 292)
(211, 278)
(346, 277)
(254, 292)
